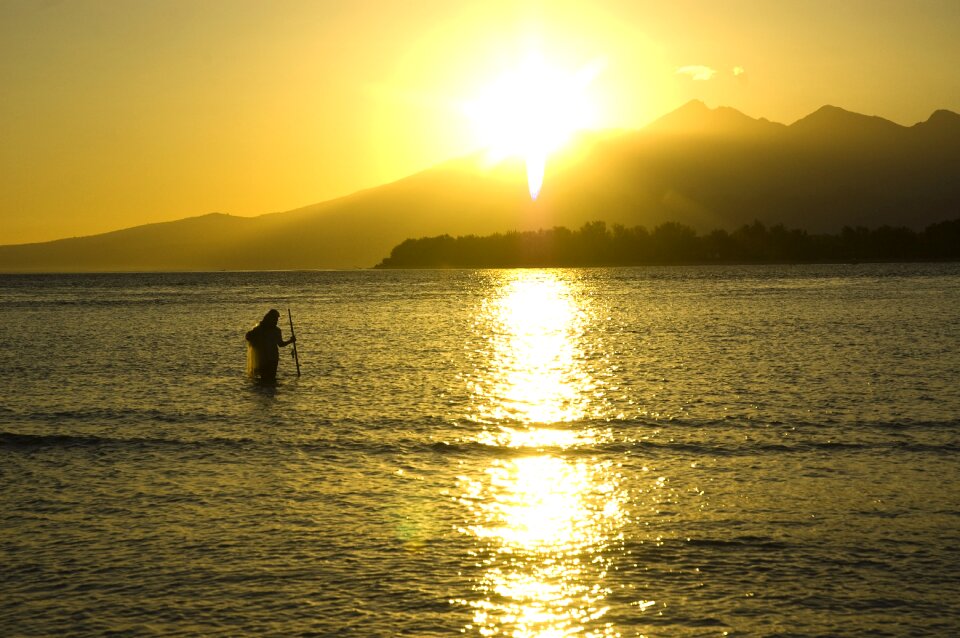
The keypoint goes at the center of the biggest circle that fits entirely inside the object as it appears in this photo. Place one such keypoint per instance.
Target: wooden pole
(296, 357)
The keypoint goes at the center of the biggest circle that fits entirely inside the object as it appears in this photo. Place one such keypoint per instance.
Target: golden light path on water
(532, 375)
(546, 523)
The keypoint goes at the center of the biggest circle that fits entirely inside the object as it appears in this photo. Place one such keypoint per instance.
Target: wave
(437, 435)
(431, 423)
(673, 448)
(26, 441)
(112, 415)
(156, 299)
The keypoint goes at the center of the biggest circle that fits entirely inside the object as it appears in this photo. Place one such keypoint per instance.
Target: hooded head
(271, 318)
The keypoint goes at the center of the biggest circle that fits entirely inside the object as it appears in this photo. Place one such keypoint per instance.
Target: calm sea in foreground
(690, 451)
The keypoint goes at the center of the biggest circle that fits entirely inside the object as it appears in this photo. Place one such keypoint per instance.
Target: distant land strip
(596, 244)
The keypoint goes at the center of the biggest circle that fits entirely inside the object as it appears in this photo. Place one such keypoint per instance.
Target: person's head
(271, 318)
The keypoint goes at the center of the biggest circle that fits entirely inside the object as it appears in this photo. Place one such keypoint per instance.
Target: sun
(532, 111)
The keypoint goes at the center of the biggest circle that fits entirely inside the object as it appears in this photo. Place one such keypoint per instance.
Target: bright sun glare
(531, 112)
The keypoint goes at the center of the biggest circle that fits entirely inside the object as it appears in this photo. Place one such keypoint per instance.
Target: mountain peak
(944, 114)
(829, 110)
(695, 117)
(942, 117)
(697, 106)
(834, 120)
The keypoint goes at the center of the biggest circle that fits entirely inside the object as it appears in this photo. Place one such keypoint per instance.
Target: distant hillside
(705, 168)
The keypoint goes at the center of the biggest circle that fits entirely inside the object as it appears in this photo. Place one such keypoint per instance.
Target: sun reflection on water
(541, 437)
(533, 373)
(546, 528)
(545, 525)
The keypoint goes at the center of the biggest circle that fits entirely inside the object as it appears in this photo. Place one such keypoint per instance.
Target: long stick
(292, 335)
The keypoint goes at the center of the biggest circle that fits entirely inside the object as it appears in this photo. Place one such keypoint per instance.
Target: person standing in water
(263, 347)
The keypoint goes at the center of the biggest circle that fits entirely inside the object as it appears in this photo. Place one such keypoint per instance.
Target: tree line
(596, 244)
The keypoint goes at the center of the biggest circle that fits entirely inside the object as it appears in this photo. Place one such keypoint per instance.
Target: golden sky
(115, 113)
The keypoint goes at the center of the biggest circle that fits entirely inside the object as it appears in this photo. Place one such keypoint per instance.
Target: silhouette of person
(263, 347)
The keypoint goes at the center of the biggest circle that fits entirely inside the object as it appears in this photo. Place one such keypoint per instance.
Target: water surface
(606, 452)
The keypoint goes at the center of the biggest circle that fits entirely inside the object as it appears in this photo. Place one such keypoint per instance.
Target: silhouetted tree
(673, 242)
(596, 244)
(942, 240)
(719, 246)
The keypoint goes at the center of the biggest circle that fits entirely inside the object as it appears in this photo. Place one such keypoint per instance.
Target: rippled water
(612, 452)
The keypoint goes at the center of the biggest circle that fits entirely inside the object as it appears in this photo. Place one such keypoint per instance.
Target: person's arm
(281, 342)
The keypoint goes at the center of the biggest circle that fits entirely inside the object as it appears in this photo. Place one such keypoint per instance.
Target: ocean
(675, 451)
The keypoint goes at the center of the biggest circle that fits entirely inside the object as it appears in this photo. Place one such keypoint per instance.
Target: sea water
(689, 451)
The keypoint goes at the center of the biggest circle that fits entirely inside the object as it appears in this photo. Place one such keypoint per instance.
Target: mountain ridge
(701, 166)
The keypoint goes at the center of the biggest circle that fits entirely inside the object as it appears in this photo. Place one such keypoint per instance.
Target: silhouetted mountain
(941, 123)
(696, 118)
(705, 168)
(197, 243)
(837, 123)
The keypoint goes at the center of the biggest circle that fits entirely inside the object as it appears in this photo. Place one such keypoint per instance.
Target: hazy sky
(115, 113)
